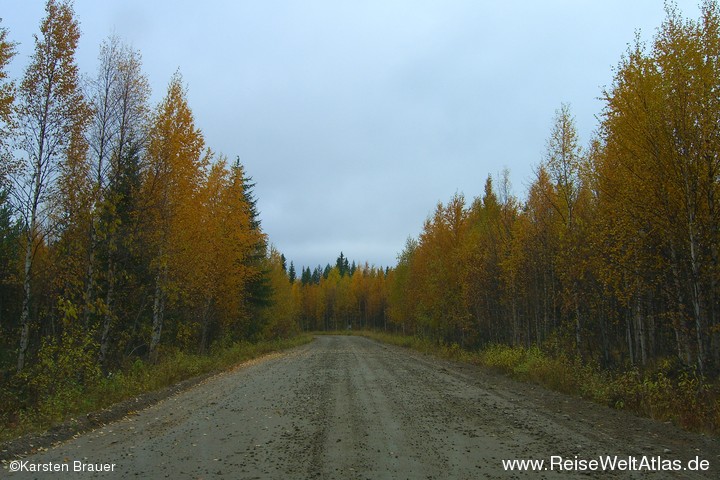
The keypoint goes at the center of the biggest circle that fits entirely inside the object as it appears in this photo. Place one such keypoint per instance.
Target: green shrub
(502, 357)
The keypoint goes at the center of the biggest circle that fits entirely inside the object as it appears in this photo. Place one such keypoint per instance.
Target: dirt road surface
(348, 407)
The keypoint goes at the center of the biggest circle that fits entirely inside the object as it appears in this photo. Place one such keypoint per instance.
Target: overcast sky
(356, 117)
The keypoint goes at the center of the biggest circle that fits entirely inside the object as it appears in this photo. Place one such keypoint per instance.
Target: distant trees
(342, 296)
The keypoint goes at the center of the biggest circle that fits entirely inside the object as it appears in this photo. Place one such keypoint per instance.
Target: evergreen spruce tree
(340, 264)
(306, 277)
(259, 291)
(291, 273)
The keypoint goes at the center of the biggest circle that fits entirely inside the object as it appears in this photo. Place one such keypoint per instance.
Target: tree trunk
(603, 320)
(680, 323)
(90, 287)
(629, 337)
(578, 326)
(27, 270)
(158, 313)
(25, 313)
(205, 327)
(640, 331)
(108, 317)
(696, 296)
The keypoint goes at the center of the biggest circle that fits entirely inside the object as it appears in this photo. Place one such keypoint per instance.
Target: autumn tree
(483, 250)
(658, 173)
(401, 294)
(243, 273)
(562, 163)
(172, 179)
(439, 269)
(120, 233)
(326, 299)
(9, 231)
(52, 112)
(7, 99)
(280, 318)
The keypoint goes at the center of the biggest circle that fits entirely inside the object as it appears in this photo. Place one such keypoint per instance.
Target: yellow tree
(359, 292)
(7, 99)
(195, 264)
(687, 54)
(536, 250)
(298, 306)
(660, 129)
(71, 217)
(170, 185)
(483, 250)
(563, 163)
(441, 270)
(377, 302)
(281, 317)
(328, 291)
(239, 243)
(402, 304)
(51, 112)
(319, 303)
(344, 301)
(214, 239)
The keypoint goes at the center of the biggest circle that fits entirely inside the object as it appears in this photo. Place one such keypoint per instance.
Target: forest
(124, 238)
(612, 257)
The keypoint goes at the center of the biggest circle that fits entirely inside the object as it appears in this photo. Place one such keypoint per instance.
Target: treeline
(614, 254)
(122, 235)
(341, 297)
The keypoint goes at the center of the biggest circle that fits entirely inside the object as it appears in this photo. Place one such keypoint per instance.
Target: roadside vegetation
(60, 391)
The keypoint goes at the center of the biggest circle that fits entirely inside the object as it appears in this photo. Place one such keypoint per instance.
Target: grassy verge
(665, 392)
(73, 400)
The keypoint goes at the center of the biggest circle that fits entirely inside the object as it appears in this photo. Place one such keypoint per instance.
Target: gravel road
(349, 407)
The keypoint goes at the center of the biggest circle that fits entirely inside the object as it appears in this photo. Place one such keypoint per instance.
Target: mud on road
(349, 407)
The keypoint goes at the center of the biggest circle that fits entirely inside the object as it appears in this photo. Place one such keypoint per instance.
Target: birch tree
(119, 95)
(562, 162)
(51, 111)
